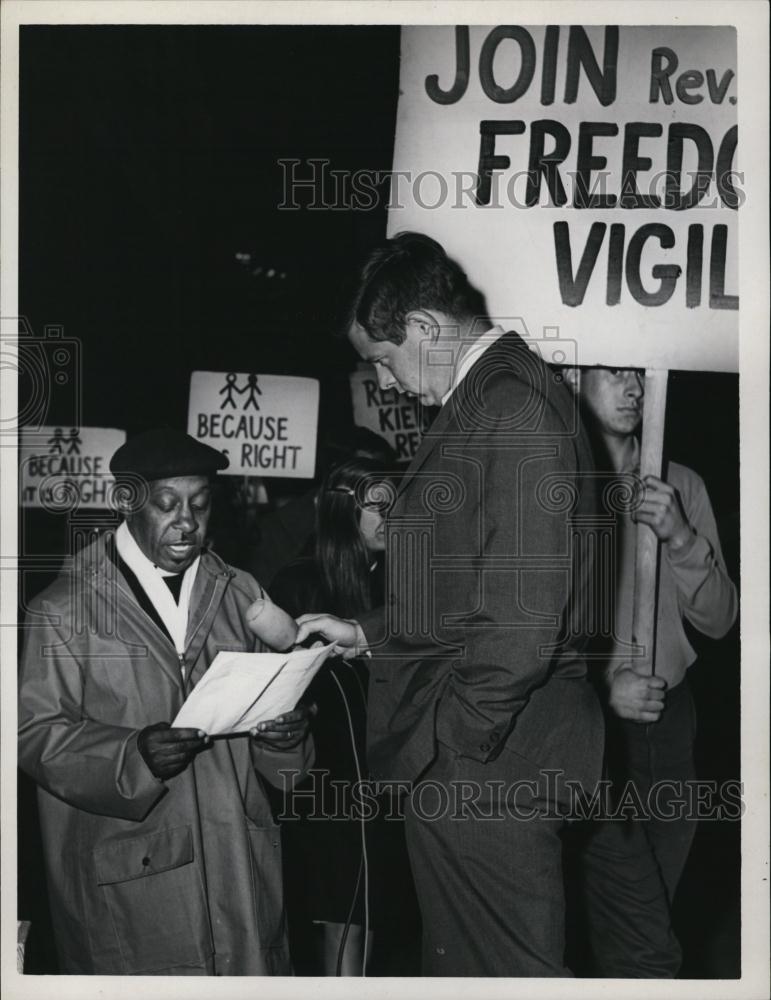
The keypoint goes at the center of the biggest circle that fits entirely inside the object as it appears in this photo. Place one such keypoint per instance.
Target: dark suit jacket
(478, 646)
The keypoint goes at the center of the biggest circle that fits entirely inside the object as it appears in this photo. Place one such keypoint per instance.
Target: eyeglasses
(379, 506)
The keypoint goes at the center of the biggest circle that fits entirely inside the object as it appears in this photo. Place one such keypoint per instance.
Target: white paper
(240, 690)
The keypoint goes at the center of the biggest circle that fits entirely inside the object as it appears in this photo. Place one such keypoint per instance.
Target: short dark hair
(410, 271)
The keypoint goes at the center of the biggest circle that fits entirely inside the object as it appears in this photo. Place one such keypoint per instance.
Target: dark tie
(174, 583)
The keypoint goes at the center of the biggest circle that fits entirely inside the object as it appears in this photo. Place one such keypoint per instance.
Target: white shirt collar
(472, 355)
(174, 616)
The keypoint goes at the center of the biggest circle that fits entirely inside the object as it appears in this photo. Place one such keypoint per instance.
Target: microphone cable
(364, 861)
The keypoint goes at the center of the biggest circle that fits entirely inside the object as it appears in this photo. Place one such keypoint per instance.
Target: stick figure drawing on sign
(228, 389)
(254, 392)
(74, 442)
(55, 443)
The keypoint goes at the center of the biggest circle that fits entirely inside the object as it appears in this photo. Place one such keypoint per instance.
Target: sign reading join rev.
(265, 424)
(587, 178)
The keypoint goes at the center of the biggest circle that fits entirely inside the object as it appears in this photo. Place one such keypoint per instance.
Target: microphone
(271, 624)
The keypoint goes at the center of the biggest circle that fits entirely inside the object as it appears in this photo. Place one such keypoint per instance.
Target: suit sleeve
(89, 764)
(373, 625)
(517, 597)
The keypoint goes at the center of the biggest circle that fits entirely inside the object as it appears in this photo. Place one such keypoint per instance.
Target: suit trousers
(630, 867)
(485, 847)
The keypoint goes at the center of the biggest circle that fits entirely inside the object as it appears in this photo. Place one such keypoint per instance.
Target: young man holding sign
(631, 868)
(478, 695)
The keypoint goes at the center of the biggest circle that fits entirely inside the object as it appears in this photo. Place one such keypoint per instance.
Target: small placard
(396, 418)
(265, 424)
(66, 467)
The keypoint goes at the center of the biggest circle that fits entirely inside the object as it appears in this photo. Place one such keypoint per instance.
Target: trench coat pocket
(156, 900)
(138, 857)
(267, 883)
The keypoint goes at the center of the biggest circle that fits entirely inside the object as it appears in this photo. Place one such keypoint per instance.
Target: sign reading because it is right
(265, 424)
(63, 468)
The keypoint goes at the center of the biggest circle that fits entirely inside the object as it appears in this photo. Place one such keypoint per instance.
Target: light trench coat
(177, 877)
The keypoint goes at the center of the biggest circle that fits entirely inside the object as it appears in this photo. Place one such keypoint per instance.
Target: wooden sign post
(647, 547)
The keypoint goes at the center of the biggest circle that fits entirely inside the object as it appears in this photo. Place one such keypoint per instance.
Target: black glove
(168, 751)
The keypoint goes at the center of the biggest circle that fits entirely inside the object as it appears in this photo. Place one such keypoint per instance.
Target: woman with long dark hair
(343, 874)
(350, 536)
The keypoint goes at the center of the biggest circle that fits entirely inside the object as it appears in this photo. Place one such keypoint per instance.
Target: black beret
(165, 453)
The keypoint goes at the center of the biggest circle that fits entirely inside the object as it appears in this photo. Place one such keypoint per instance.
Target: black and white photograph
(384, 534)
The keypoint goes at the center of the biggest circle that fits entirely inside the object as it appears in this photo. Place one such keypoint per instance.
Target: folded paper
(240, 690)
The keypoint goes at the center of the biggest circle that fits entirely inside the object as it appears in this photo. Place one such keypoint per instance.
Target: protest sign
(265, 424)
(585, 178)
(66, 467)
(401, 421)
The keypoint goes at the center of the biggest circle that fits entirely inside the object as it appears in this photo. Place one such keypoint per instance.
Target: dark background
(148, 160)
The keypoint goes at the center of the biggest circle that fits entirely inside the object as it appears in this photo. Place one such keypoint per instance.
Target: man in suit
(478, 693)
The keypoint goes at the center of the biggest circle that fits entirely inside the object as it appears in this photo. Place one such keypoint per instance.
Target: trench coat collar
(211, 582)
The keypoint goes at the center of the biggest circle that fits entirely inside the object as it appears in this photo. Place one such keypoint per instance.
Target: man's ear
(425, 322)
(130, 494)
(125, 511)
(573, 378)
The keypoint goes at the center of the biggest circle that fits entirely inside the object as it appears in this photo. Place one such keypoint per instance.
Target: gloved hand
(287, 731)
(166, 751)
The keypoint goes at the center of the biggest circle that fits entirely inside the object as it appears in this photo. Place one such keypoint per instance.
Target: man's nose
(634, 384)
(385, 379)
(186, 521)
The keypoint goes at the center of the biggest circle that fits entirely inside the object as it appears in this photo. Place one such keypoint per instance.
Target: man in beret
(162, 856)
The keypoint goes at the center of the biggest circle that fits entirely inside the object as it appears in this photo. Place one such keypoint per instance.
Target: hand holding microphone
(271, 624)
(346, 633)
